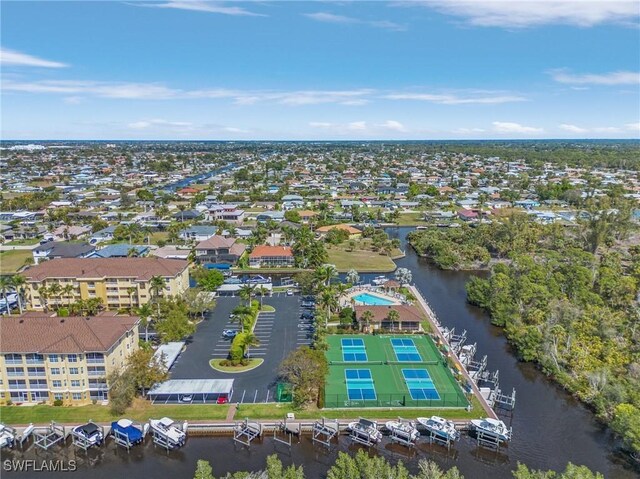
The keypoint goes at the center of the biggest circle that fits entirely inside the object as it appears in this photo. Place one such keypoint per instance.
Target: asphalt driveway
(279, 332)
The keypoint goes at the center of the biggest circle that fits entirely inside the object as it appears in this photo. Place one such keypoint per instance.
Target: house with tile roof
(271, 256)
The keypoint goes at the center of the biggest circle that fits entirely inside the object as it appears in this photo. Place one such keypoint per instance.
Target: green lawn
(23, 242)
(410, 219)
(278, 411)
(142, 411)
(253, 363)
(157, 236)
(362, 261)
(11, 261)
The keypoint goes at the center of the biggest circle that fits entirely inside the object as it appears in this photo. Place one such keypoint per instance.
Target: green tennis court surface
(389, 371)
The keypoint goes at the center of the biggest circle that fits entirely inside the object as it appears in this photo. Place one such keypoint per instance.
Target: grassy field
(157, 236)
(253, 363)
(11, 261)
(362, 261)
(410, 219)
(267, 308)
(278, 411)
(23, 242)
(140, 411)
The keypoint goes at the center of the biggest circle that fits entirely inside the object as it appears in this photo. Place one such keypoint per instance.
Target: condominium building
(119, 282)
(44, 358)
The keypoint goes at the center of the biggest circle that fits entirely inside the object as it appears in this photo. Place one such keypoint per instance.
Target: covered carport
(191, 391)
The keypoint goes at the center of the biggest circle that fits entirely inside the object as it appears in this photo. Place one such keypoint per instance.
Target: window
(13, 358)
(74, 371)
(57, 396)
(35, 358)
(56, 383)
(55, 371)
(75, 383)
(15, 372)
(76, 396)
(38, 384)
(54, 358)
(72, 358)
(36, 371)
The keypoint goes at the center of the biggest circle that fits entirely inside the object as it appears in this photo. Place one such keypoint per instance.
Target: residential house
(119, 282)
(219, 249)
(44, 358)
(120, 250)
(271, 256)
(61, 249)
(353, 232)
(198, 232)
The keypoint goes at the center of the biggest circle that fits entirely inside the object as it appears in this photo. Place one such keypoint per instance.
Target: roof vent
(62, 320)
(21, 321)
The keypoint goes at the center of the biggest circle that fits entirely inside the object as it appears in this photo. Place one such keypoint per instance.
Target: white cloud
(344, 20)
(469, 130)
(393, 125)
(633, 126)
(157, 122)
(357, 126)
(573, 128)
(454, 99)
(320, 124)
(607, 129)
(202, 6)
(13, 58)
(73, 100)
(510, 127)
(611, 78)
(524, 13)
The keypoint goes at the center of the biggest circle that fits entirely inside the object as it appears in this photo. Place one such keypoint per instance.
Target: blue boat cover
(133, 433)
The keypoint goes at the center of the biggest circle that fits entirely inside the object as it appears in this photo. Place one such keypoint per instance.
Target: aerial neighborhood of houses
(94, 235)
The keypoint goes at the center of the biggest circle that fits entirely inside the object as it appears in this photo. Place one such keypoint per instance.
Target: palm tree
(54, 292)
(68, 290)
(18, 281)
(329, 301)
(132, 252)
(326, 273)
(156, 285)
(44, 296)
(145, 312)
(131, 291)
(245, 293)
(352, 276)
(366, 319)
(249, 340)
(5, 284)
(261, 291)
(393, 317)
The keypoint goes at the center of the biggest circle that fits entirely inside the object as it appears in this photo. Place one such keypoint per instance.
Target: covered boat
(170, 431)
(378, 280)
(440, 427)
(90, 433)
(365, 429)
(128, 431)
(493, 428)
(403, 429)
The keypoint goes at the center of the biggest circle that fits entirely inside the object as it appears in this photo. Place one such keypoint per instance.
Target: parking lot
(280, 332)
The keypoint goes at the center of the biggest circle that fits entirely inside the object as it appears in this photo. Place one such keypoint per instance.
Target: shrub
(57, 402)
(236, 352)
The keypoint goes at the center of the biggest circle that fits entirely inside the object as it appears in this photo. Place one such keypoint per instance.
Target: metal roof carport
(191, 391)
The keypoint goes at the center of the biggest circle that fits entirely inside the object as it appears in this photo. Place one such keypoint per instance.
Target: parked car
(229, 333)
(289, 292)
(222, 400)
(307, 315)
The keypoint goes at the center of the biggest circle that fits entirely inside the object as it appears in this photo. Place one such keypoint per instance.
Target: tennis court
(353, 350)
(389, 371)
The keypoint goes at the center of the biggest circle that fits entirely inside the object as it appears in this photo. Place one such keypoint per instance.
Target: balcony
(97, 385)
(99, 373)
(35, 360)
(37, 374)
(13, 361)
(95, 360)
(15, 387)
(44, 386)
(15, 373)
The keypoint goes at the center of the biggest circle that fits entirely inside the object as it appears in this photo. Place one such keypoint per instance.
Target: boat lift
(457, 341)
(83, 442)
(467, 353)
(504, 401)
(490, 441)
(122, 438)
(362, 437)
(48, 436)
(324, 431)
(26, 434)
(400, 436)
(163, 440)
(245, 431)
(288, 430)
(476, 368)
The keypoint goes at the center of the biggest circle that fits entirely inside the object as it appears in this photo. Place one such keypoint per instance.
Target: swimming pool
(370, 299)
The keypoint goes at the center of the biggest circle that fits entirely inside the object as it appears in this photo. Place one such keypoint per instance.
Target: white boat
(172, 431)
(493, 428)
(403, 429)
(440, 427)
(378, 280)
(7, 436)
(365, 429)
(90, 433)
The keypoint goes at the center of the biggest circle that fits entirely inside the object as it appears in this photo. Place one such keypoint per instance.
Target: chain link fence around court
(452, 400)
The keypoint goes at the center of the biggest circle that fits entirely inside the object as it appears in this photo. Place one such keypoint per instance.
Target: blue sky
(434, 69)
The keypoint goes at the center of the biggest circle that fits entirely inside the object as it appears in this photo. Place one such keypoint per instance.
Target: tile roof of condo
(43, 333)
(139, 268)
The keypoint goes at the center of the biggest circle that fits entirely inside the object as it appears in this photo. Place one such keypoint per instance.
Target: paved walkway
(232, 411)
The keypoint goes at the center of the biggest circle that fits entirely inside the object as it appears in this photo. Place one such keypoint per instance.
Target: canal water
(549, 427)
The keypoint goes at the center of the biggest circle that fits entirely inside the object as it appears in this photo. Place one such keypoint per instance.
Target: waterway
(550, 428)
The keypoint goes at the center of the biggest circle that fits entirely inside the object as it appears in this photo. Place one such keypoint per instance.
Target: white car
(289, 292)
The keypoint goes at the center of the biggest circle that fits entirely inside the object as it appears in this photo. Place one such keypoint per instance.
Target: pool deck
(347, 299)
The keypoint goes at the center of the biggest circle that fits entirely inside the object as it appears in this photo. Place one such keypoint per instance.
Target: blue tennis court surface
(359, 384)
(353, 350)
(419, 384)
(406, 350)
